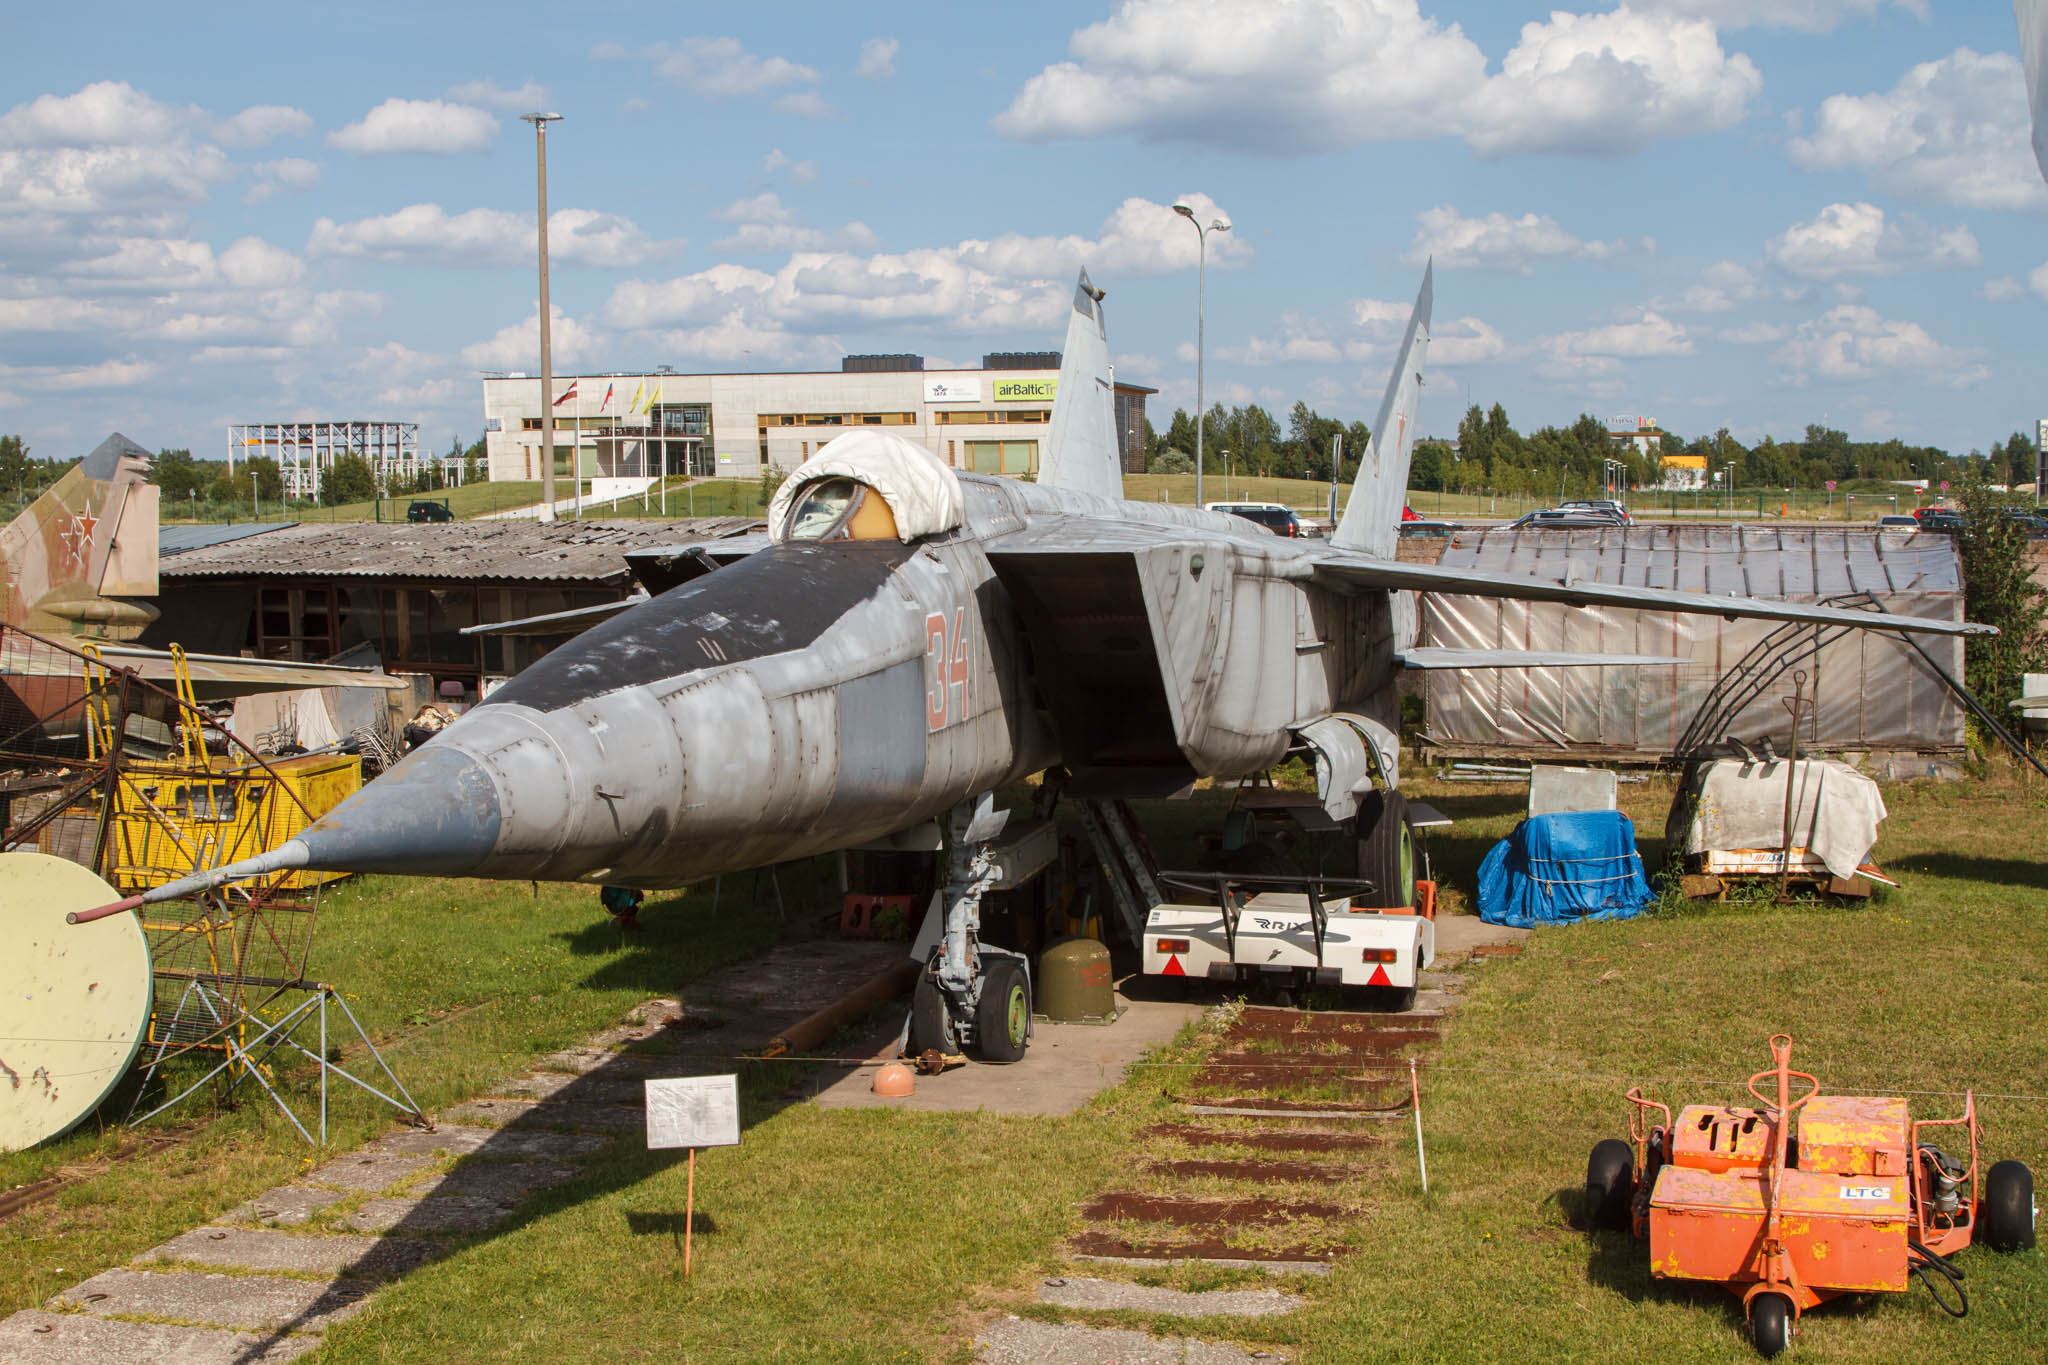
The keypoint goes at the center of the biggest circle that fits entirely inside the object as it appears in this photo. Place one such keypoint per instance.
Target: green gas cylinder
(1074, 982)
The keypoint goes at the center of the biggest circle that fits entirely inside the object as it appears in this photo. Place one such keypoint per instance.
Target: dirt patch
(1322, 1031)
(1299, 1172)
(1197, 1213)
(1297, 1140)
(1098, 1243)
(1496, 950)
(1286, 1106)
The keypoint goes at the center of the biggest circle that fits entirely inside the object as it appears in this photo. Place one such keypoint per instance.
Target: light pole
(540, 124)
(1728, 488)
(255, 499)
(1187, 211)
(1226, 476)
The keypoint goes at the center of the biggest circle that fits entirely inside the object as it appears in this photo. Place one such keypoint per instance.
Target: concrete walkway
(265, 1280)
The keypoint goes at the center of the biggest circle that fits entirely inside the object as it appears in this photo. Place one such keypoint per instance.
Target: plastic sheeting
(1558, 869)
(1870, 690)
(1742, 805)
(923, 494)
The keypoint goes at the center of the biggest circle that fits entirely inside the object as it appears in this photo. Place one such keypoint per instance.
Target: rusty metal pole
(540, 124)
(1415, 1096)
(689, 1212)
(1797, 702)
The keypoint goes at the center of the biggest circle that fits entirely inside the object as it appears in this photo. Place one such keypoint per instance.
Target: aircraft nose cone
(436, 814)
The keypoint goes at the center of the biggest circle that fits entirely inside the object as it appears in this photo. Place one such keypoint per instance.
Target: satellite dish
(74, 999)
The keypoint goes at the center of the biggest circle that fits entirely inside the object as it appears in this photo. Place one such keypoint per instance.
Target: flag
(567, 394)
(607, 398)
(654, 397)
(639, 396)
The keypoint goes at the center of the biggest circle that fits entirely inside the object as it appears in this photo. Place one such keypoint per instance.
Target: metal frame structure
(303, 450)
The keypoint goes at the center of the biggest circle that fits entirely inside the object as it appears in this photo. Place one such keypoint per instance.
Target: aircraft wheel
(1770, 1324)
(1610, 1184)
(931, 1019)
(1002, 1019)
(2006, 1220)
(1386, 850)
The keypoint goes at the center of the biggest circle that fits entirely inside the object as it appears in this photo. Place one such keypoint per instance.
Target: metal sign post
(693, 1112)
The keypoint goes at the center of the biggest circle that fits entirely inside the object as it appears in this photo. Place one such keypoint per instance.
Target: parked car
(1567, 519)
(426, 510)
(1275, 517)
(1598, 505)
(1939, 519)
(1424, 529)
(1897, 519)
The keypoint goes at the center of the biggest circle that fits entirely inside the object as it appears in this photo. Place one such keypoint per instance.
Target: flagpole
(576, 456)
(664, 478)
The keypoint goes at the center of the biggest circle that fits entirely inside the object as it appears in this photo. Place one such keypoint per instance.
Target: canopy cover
(921, 492)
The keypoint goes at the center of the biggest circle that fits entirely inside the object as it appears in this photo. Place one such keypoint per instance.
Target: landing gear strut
(970, 993)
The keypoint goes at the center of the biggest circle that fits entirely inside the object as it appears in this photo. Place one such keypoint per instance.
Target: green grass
(871, 1236)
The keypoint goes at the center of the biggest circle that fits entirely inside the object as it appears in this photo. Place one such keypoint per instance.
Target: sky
(1755, 214)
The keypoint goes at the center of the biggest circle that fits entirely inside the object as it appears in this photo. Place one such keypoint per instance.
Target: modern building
(990, 420)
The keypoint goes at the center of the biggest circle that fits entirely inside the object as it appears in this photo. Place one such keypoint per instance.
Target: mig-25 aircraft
(906, 638)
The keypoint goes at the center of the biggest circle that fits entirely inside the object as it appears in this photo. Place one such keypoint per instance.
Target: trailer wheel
(1610, 1184)
(1002, 1018)
(1386, 850)
(931, 1021)
(1770, 1324)
(2006, 1221)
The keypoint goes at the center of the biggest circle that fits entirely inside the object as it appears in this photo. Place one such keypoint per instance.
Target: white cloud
(765, 225)
(717, 68)
(517, 347)
(1464, 341)
(1952, 131)
(1855, 342)
(286, 173)
(1752, 334)
(798, 173)
(1313, 75)
(1452, 341)
(702, 297)
(1856, 239)
(252, 263)
(149, 264)
(1803, 16)
(530, 98)
(1498, 242)
(2037, 280)
(2003, 289)
(1600, 350)
(260, 124)
(1722, 287)
(105, 112)
(428, 234)
(878, 58)
(108, 374)
(808, 104)
(432, 126)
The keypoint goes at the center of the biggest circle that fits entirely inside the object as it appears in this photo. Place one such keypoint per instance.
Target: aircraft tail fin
(1081, 450)
(1372, 516)
(2033, 21)
(91, 537)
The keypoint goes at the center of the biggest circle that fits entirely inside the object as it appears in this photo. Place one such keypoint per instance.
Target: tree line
(1491, 456)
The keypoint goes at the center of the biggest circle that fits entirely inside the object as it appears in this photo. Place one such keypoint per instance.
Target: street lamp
(1226, 478)
(1728, 488)
(1187, 211)
(540, 124)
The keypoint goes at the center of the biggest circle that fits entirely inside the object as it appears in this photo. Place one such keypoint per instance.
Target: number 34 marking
(946, 703)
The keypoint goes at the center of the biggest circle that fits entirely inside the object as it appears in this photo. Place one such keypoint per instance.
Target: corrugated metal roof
(1785, 562)
(176, 540)
(466, 551)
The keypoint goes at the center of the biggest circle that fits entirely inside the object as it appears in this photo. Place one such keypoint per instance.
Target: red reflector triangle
(1379, 977)
(1172, 967)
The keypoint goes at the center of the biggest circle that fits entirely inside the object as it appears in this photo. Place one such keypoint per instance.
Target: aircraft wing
(215, 677)
(560, 622)
(1432, 657)
(1359, 571)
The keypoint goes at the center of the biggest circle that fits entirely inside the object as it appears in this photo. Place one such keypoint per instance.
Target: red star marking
(79, 536)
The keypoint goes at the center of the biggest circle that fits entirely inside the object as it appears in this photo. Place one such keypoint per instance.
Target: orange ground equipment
(1856, 1200)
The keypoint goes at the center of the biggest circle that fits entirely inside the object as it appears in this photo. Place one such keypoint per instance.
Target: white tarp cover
(923, 494)
(1867, 689)
(1742, 805)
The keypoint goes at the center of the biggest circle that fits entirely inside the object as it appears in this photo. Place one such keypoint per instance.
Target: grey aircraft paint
(809, 696)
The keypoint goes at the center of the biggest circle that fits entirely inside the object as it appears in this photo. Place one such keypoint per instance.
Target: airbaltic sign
(1026, 390)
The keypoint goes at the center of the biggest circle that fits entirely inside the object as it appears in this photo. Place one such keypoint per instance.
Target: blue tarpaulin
(1556, 869)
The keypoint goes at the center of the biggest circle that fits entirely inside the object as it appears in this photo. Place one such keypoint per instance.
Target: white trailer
(1286, 937)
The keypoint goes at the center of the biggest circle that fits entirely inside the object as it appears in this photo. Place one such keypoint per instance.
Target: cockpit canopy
(867, 485)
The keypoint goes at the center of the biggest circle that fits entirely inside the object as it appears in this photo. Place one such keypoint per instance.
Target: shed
(1872, 690)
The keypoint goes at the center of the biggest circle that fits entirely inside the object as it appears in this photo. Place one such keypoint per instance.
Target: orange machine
(1854, 1201)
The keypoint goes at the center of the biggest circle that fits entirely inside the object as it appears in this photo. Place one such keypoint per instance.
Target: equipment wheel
(1610, 1183)
(1386, 850)
(1002, 1018)
(1770, 1324)
(2006, 1221)
(931, 1018)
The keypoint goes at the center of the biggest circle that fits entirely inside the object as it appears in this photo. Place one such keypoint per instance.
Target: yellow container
(172, 819)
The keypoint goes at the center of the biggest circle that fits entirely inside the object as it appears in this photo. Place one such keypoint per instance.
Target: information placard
(693, 1111)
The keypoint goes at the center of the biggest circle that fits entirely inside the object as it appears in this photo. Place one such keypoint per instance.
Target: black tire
(1391, 999)
(931, 1020)
(1610, 1184)
(1770, 1324)
(2006, 1220)
(1386, 851)
(1002, 1017)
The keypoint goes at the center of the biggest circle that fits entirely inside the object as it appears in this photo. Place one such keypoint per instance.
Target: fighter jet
(906, 638)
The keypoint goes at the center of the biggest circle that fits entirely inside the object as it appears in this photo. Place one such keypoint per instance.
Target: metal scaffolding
(304, 450)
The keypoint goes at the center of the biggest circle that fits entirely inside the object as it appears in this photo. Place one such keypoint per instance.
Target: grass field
(870, 1236)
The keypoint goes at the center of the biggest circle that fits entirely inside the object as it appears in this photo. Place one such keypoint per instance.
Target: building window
(1002, 457)
(529, 424)
(1026, 416)
(956, 417)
